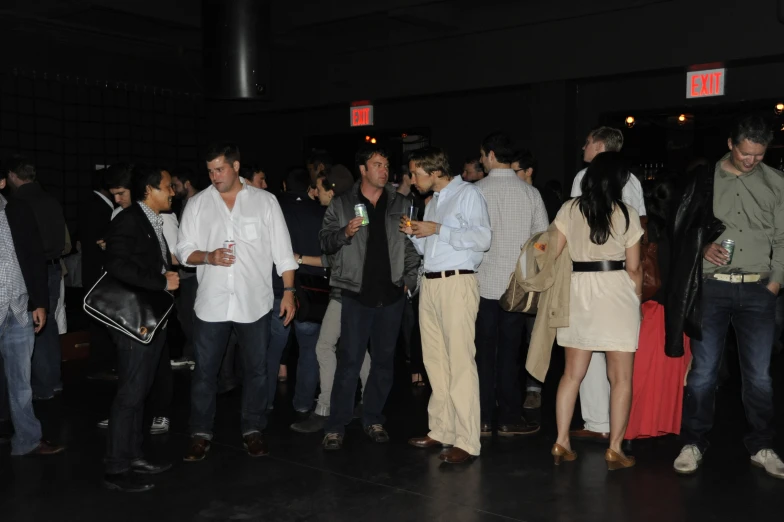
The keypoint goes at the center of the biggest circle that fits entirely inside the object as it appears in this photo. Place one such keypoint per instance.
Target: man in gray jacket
(375, 266)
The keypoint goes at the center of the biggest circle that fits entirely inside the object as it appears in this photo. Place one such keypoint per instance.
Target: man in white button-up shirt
(235, 291)
(453, 237)
(517, 212)
(595, 388)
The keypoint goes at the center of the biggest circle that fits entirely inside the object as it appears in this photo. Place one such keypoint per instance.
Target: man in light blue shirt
(452, 238)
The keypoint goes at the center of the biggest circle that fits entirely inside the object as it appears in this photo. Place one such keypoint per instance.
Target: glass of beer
(411, 215)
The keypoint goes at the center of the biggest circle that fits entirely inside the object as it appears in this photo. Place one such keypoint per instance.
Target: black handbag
(133, 311)
(312, 297)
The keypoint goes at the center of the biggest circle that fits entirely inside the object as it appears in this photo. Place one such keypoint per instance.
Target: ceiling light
(630, 121)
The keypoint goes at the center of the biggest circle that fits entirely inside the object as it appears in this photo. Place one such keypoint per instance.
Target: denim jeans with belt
(210, 340)
(47, 354)
(16, 349)
(358, 325)
(751, 309)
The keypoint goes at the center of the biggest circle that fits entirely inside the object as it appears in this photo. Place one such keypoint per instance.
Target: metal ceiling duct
(236, 36)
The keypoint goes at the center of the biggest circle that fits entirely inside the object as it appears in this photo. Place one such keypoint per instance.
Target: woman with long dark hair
(603, 235)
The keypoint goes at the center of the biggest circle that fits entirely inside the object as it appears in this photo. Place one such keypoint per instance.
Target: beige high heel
(560, 454)
(616, 461)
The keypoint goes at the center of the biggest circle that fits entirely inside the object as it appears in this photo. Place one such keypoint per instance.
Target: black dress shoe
(145, 468)
(510, 430)
(486, 429)
(126, 482)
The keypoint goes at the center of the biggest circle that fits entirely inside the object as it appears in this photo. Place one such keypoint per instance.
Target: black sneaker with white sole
(160, 425)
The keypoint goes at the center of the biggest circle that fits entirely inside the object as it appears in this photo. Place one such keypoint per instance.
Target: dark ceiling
(308, 26)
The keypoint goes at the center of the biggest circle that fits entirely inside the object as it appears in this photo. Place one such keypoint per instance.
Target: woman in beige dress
(603, 235)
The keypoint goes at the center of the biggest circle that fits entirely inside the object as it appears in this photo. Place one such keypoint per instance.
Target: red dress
(657, 389)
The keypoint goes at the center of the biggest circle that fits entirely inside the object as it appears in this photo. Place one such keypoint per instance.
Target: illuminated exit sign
(702, 84)
(361, 116)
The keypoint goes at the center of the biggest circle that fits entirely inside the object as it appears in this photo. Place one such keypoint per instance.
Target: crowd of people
(352, 269)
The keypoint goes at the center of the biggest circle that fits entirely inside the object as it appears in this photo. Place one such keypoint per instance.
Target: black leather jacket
(695, 226)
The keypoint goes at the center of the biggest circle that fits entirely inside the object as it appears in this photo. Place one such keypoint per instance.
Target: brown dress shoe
(45, 448)
(255, 444)
(426, 442)
(455, 456)
(197, 450)
(589, 435)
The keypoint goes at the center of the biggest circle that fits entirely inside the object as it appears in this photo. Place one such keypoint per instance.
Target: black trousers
(136, 366)
(498, 337)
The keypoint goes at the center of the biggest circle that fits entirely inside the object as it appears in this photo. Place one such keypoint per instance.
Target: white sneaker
(159, 425)
(103, 424)
(770, 462)
(688, 461)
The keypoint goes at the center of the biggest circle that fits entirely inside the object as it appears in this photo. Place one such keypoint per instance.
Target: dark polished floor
(514, 479)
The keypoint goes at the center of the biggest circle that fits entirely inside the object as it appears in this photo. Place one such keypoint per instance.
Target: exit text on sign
(361, 116)
(701, 84)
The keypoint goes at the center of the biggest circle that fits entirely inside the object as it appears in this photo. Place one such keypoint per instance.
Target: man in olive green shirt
(751, 206)
(748, 198)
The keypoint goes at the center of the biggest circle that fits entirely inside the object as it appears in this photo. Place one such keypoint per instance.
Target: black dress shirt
(377, 286)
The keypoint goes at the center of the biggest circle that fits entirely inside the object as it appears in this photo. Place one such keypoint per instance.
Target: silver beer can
(729, 246)
(360, 210)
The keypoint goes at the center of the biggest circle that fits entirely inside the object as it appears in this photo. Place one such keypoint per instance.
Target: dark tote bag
(312, 297)
(136, 312)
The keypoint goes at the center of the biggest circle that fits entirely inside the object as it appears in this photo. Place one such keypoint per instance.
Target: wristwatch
(290, 289)
(299, 260)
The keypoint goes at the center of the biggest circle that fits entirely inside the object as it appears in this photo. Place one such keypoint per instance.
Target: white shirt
(516, 213)
(241, 293)
(632, 192)
(170, 227)
(465, 228)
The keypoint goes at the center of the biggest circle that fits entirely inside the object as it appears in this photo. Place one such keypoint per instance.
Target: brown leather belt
(446, 273)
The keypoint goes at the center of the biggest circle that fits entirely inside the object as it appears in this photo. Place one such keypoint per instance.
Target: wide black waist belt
(597, 266)
(447, 273)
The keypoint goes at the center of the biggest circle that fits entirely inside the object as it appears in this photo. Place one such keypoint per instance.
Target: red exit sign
(361, 116)
(702, 84)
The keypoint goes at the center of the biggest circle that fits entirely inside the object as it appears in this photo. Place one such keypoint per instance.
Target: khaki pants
(447, 321)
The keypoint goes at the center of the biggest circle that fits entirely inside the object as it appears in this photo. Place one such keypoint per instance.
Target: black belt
(447, 273)
(598, 266)
(55, 261)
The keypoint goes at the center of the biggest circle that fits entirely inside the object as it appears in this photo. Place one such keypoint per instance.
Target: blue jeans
(358, 325)
(16, 349)
(751, 309)
(209, 344)
(307, 365)
(136, 369)
(47, 356)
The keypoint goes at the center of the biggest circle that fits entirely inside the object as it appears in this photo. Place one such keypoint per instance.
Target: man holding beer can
(375, 265)
(743, 270)
(232, 233)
